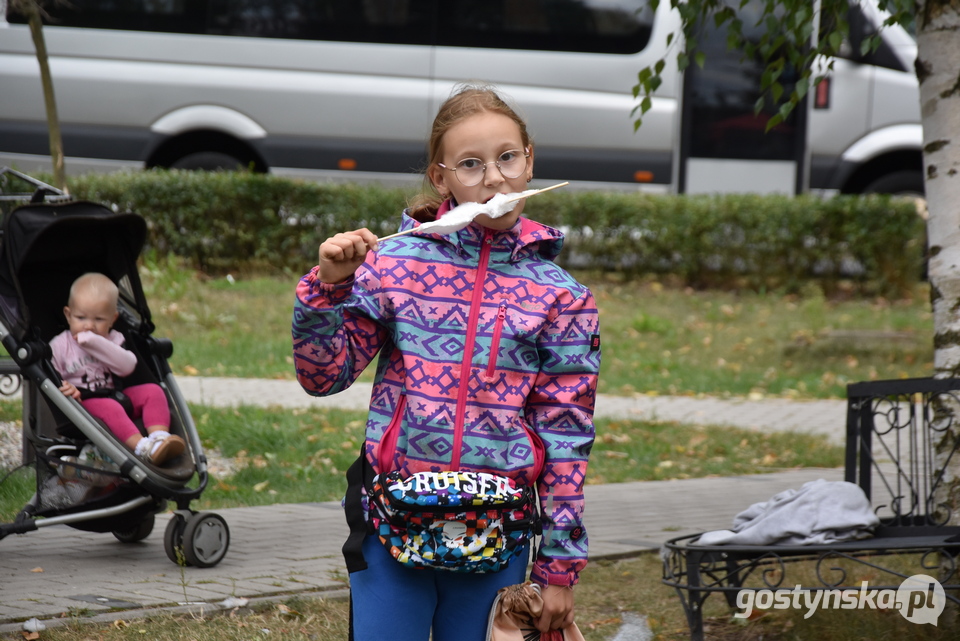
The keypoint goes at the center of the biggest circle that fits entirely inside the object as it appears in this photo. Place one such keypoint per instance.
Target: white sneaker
(160, 449)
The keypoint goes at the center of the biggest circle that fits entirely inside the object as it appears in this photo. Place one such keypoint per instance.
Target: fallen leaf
(30, 636)
(37, 569)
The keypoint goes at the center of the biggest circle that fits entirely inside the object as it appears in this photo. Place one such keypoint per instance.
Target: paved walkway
(288, 549)
(814, 417)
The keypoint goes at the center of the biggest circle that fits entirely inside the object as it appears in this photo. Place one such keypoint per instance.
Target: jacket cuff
(334, 292)
(543, 577)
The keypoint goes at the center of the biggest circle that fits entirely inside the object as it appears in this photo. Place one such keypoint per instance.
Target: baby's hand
(84, 337)
(70, 390)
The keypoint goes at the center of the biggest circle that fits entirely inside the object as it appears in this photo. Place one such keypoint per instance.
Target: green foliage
(752, 241)
(227, 220)
(787, 39)
(241, 221)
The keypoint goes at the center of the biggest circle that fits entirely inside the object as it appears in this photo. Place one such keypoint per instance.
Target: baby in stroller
(90, 353)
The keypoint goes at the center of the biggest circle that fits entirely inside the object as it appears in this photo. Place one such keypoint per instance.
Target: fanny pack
(460, 521)
(456, 521)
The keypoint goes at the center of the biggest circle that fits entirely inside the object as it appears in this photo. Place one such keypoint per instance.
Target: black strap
(358, 474)
(113, 394)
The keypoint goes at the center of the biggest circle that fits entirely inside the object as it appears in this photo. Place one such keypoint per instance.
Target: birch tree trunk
(31, 9)
(938, 70)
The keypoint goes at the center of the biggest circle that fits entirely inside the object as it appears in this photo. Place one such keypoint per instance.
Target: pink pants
(149, 403)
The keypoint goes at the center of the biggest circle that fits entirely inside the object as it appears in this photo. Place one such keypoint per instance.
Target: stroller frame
(52, 420)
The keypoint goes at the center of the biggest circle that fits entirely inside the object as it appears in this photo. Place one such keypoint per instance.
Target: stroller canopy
(46, 246)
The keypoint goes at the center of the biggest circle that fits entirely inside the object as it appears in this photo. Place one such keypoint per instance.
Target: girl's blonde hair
(466, 100)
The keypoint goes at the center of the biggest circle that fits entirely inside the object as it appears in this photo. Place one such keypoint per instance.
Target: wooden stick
(539, 191)
(399, 233)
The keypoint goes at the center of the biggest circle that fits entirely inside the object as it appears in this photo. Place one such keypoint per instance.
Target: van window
(597, 26)
(592, 26)
(720, 99)
(862, 27)
(383, 21)
(169, 16)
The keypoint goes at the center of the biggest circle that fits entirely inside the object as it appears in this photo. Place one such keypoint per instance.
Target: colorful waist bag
(457, 521)
(460, 521)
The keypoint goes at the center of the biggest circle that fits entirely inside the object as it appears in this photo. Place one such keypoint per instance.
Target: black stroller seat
(44, 248)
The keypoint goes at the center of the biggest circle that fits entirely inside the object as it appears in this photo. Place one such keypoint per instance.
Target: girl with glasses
(488, 362)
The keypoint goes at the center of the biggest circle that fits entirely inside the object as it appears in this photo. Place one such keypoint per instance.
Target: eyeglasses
(470, 171)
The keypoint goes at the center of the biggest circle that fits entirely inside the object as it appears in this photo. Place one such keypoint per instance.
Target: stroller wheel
(173, 540)
(206, 538)
(138, 532)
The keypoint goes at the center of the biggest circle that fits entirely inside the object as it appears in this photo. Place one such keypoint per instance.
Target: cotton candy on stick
(462, 215)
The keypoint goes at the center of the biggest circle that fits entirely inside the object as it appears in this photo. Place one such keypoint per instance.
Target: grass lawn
(294, 456)
(657, 339)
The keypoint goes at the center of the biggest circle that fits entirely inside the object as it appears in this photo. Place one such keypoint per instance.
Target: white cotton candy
(454, 220)
(503, 203)
(462, 215)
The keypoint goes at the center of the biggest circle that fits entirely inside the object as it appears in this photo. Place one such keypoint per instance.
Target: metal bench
(894, 431)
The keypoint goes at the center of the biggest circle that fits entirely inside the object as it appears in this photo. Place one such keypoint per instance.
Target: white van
(348, 89)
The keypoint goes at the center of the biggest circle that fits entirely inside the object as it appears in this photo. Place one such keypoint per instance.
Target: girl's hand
(341, 255)
(557, 608)
(70, 390)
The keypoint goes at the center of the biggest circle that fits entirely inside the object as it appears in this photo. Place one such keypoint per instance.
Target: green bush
(230, 221)
(743, 240)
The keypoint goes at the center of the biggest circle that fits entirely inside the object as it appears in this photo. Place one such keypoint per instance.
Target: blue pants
(392, 602)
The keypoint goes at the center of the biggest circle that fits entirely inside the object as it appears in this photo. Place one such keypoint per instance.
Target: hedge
(235, 221)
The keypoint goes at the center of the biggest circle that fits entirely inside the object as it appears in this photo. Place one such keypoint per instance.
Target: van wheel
(208, 161)
(898, 183)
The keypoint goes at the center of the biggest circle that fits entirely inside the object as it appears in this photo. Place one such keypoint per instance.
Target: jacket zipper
(495, 342)
(471, 340)
(388, 442)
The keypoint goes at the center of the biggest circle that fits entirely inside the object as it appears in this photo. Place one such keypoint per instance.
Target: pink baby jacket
(88, 360)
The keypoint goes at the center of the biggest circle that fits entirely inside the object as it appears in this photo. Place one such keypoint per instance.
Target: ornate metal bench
(894, 431)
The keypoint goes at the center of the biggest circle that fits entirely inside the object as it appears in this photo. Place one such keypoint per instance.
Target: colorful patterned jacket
(489, 354)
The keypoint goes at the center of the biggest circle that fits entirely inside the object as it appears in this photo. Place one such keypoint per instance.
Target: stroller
(85, 477)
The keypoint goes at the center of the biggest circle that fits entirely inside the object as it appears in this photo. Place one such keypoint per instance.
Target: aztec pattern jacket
(489, 354)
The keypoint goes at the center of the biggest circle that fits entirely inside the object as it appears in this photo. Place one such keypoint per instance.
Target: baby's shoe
(160, 447)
